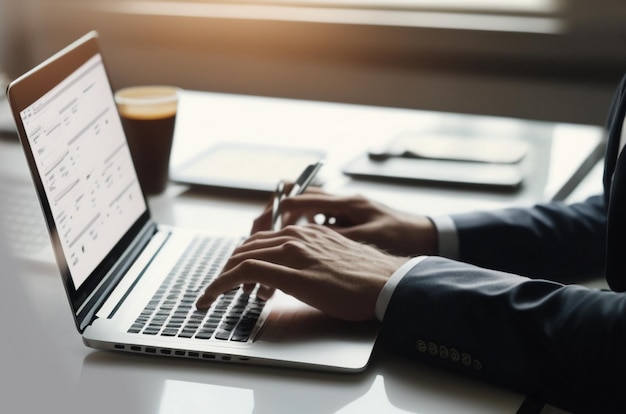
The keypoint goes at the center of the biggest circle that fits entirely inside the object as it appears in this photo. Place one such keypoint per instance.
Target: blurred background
(556, 60)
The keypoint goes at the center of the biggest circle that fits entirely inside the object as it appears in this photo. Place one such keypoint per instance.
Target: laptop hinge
(87, 312)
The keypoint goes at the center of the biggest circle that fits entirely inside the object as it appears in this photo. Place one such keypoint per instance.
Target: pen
(300, 185)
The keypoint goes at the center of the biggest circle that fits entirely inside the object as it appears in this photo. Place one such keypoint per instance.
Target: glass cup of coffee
(148, 116)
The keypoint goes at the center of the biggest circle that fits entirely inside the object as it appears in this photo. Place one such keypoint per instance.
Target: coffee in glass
(148, 115)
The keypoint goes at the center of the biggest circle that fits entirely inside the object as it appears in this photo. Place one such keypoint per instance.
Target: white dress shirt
(448, 247)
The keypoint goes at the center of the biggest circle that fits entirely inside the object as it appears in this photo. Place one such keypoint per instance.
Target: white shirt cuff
(385, 294)
(448, 237)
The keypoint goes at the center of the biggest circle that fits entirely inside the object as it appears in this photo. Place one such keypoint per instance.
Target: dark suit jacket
(524, 324)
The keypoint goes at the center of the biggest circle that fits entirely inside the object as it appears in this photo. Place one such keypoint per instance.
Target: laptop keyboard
(172, 312)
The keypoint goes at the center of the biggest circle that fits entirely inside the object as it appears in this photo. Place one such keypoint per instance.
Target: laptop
(132, 283)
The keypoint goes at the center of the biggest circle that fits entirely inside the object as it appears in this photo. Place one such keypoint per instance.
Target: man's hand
(359, 219)
(313, 263)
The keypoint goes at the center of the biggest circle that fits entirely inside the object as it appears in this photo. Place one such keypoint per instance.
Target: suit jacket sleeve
(555, 240)
(558, 241)
(562, 343)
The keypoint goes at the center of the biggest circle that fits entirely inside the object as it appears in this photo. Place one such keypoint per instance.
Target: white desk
(345, 131)
(52, 369)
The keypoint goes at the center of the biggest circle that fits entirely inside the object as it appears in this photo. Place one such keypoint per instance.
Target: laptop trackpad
(294, 321)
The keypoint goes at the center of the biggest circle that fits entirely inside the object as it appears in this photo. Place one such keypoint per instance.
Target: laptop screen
(85, 166)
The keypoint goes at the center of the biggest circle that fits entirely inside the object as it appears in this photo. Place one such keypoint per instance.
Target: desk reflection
(116, 382)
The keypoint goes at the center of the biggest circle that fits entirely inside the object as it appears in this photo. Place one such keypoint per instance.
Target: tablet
(245, 166)
(415, 156)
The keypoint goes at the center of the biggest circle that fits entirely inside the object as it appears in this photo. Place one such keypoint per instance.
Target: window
(527, 16)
